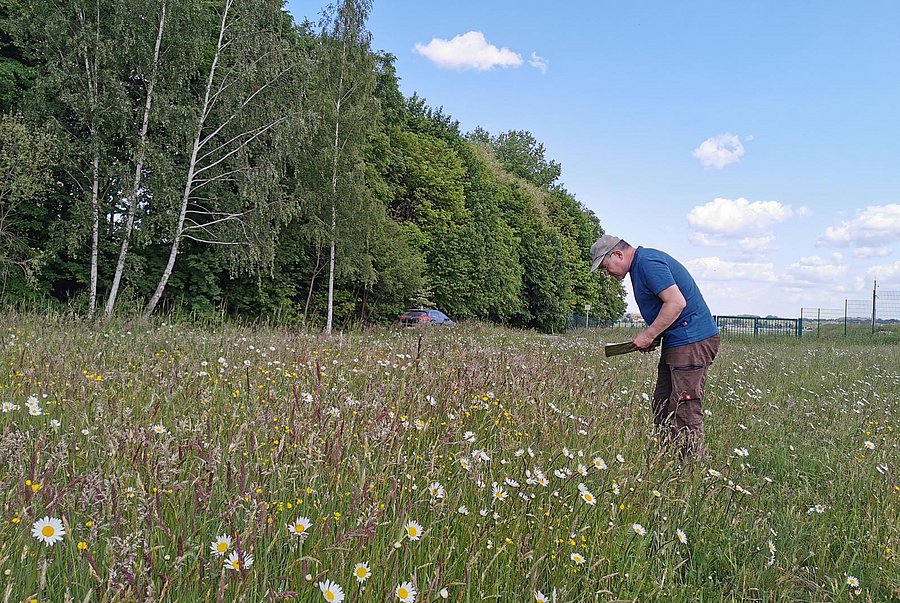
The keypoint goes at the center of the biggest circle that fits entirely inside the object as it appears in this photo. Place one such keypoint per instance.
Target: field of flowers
(180, 463)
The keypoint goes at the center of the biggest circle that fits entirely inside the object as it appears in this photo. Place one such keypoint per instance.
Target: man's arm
(673, 304)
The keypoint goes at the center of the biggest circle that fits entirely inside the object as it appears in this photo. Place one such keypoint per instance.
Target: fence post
(845, 317)
(874, 287)
(756, 327)
(818, 322)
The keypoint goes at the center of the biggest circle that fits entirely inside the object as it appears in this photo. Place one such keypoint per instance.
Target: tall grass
(154, 440)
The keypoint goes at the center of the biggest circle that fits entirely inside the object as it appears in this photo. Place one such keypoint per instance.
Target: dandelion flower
(237, 562)
(540, 597)
(852, 581)
(413, 530)
(577, 558)
(331, 591)
(299, 527)
(220, 545)
(362, 572)
(639, 529)
(406, 592)
(682, 537)
(48, 530)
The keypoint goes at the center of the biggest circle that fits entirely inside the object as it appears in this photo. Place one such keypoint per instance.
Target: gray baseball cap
(601, 249)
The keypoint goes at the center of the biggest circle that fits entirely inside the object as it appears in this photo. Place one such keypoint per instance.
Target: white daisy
(413, 530)
(362, 572)
(237, 562)
(299, 527)
(852, 581)
(587, 497)
(437, 490)
(331, 591)
(577, 558)
(406, 592)
(469, 436)
(220, 545)
(159, 429)
(540, 597)
(639, 529)
(48, 530)
(599, 464)
(682, 537)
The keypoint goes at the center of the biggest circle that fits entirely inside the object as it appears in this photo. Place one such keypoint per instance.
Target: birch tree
(343, 91)
(131, 201)
(248, 107)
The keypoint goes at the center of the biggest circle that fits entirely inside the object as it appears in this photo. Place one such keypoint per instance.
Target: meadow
(179, 462)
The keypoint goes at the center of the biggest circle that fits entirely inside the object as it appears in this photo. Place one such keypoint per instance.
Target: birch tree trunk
(91, 72)
(131, 201)
(238, 107)
(333, 233)
(192, 166)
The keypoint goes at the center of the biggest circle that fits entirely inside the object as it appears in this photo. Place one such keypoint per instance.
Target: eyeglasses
(605, 269)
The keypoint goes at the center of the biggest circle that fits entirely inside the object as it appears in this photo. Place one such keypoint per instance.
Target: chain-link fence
(881, 314)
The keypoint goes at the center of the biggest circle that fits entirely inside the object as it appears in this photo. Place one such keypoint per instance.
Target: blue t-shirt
(652, 271)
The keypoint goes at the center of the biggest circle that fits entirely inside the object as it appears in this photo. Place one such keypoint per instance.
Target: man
(674, 308)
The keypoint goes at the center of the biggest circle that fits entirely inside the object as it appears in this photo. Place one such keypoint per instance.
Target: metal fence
(881, 314)
(755, 326)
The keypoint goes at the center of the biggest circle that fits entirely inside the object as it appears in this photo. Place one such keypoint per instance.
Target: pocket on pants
(687, 392)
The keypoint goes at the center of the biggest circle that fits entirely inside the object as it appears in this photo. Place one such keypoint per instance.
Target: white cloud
(815, 270)
(716, 269)
(538, 62)
(719, 151)
(757, 245)
(886, 274)
(468, 51)
(702, 239)
(726, 217)
(865, 253)
(873, 227)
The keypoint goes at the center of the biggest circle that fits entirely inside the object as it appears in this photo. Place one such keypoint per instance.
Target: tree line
(219, 157)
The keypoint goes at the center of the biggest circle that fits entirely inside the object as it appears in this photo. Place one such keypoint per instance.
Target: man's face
(614, 265)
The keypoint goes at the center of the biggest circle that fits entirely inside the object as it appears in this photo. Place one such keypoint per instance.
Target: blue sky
(757, 142)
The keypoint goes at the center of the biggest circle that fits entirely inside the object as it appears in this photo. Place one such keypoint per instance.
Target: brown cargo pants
(678, 397)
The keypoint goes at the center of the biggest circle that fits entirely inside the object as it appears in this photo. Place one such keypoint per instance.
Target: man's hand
(644, 342)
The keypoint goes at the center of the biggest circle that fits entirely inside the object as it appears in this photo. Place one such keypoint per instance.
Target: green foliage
(27, 154)
(417, 212)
